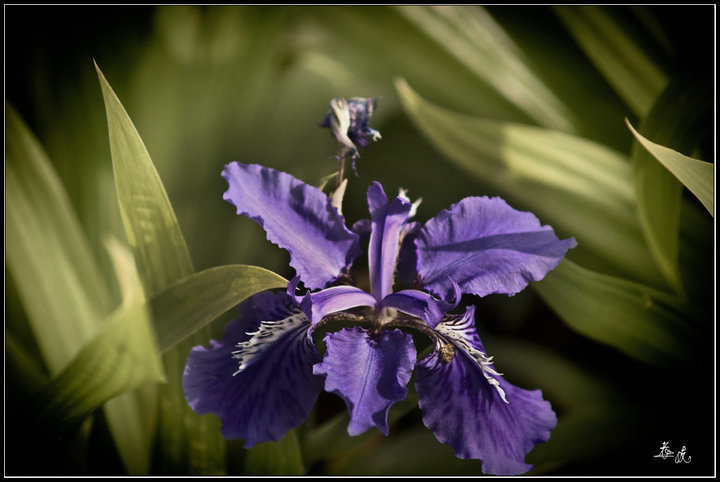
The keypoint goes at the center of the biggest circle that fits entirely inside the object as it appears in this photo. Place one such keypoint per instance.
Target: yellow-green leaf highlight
(151, 226)
(471, 35)
(150, 223)
(47, 253)
(624, 63)
(193, 302)
(581, 188)
(120, 358)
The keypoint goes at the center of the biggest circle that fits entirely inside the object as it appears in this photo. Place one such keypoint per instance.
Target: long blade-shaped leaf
(626, 66)
(150, 223)
(190, 444)
(47, 252)
(581, 188)
(120, 358)
(697, 176)
(471, 35)
(677, 120)
(644, 323)
(189, 304)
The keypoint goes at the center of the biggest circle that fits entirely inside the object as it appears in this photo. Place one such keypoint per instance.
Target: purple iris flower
(264, 376)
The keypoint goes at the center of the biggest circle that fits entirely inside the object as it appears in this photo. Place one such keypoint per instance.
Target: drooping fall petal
(369, 371)
(258, 378)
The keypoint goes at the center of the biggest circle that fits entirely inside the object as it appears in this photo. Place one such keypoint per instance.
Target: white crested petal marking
(484, 362)
(268, 333)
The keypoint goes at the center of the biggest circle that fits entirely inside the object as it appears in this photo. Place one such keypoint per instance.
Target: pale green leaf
(191, 444)
(642, 322)
(121, 357)
(697, 176)
(150, 223)
(193, 302)
(47, 253)
(637, 79)
(677, 119)
(580, 188)
(276, 458)
(471, 35)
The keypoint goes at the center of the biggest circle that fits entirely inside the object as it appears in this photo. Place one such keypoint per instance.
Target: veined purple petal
(486, 247)
(407, 257)
(370, 372)
(419, 304)
(470, 407)
(388, 220)
(296, 217)
(275, 389)
(331, 300)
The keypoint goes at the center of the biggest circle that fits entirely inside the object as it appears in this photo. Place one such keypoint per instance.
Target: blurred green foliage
(528, 103)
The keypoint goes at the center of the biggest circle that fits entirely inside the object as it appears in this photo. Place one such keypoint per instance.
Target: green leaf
(121, 357)
(150, 223)
(697, 176)
(637, 79)
(132, 419)
(649, 325)
(470, 34)
(191, 303)
(48, 255)
(581, 188)
(677, 119)
(276, 458)
(190, 444)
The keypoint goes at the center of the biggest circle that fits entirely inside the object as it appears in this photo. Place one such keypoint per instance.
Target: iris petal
(296, 217)
(275, 389)
(388, 220)
(369, 371)
(486, 247)
(334, 299)
(419, 304)
(470, 407)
